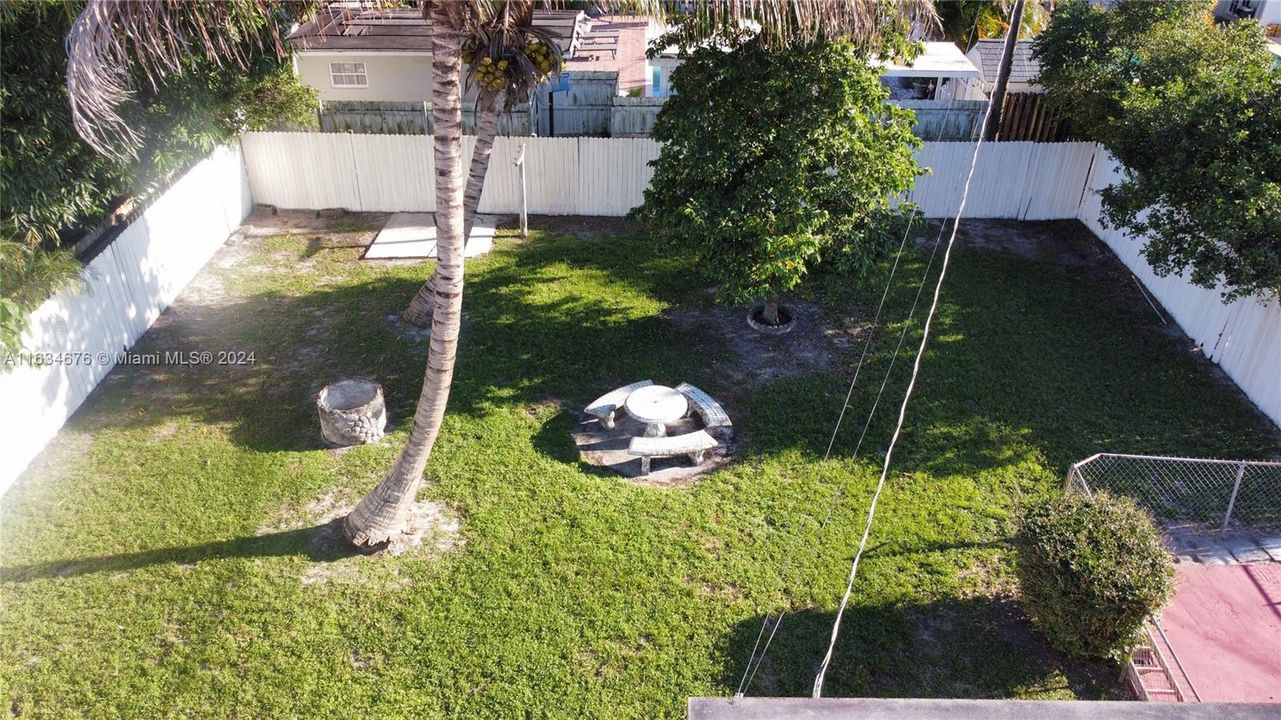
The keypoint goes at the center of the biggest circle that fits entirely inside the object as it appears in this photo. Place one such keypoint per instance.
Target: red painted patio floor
(1225, 625)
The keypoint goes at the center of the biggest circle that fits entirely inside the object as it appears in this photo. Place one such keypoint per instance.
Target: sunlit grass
(153, 561)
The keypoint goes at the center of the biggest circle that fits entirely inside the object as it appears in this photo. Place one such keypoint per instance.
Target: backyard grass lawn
(161, 558)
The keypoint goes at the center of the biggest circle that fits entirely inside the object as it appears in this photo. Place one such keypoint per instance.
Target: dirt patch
(590, 228)
(266, 221)
(812, 346)
(1056, 242)
(430, 530)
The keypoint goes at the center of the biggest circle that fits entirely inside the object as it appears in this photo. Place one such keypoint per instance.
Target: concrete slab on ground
(1225, 626)
(1272, 546)
(413, 236)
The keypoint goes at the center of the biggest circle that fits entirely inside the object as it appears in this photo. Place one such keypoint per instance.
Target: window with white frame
(348, 75)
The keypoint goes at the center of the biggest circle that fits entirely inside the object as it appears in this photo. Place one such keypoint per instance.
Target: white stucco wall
(1270, 13)
(399, 77)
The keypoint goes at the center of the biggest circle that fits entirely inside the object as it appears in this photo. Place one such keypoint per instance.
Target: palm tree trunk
(380, 515)
(418, 314)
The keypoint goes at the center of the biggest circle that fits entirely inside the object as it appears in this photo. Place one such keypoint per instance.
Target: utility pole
(993, 123)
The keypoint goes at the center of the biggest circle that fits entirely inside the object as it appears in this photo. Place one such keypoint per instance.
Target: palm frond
(869, 24)
(112, 42)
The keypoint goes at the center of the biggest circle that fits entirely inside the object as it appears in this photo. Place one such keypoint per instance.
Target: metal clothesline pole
(524, 202)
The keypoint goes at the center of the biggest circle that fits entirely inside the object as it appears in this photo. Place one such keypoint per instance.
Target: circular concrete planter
(352, 412)
(756, 320)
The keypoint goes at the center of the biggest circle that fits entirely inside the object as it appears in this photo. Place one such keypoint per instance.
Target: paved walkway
(1228, 549)
(1225, 626)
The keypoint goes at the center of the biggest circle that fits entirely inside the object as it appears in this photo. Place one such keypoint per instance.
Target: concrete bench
(606, 405)
(712, 414)
(695, 445)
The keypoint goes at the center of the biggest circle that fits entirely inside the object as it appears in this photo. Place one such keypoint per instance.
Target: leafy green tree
(770, 157)
(53, 185)
(1193, 111)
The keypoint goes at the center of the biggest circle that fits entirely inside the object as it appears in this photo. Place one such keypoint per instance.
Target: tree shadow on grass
(319, 543)
(559, 318)
(954, 648)
(1029, 362)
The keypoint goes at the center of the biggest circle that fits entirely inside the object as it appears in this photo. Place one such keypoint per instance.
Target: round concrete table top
(655, 405)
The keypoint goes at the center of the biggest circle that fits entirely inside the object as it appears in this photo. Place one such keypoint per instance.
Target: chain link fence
(1192, 493)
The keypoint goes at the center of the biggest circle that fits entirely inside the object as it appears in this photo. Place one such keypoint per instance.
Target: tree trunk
(770, 314)
(418, 314)
(992, 125)
(380, 515)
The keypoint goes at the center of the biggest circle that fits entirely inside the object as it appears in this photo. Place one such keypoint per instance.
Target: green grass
(153, 561)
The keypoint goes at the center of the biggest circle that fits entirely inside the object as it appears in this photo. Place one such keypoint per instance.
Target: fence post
(524, 201)
(1233, 500)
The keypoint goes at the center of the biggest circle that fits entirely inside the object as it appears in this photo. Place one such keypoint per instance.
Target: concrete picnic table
(656, 405)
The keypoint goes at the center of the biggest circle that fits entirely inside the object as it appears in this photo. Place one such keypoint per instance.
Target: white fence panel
(305, 170)
(1244, 337)
(125, 288)
(501, 193)
(601, 187)
(608, 176)
(552, 166)
(1015, 180)
(391, 172)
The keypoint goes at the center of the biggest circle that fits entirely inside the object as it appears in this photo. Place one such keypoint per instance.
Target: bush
(1092, 570)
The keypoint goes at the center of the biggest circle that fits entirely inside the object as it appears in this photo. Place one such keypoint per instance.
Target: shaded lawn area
(161, 557)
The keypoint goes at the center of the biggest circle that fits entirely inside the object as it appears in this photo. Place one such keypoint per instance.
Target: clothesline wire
(840, 491)
(911, 385)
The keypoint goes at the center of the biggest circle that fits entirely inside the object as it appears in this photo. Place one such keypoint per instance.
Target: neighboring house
(986, 56)
(940, 72)
(1267, 12)
(383, 55)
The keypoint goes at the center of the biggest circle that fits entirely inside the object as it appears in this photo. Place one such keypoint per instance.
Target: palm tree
(111, 36)
(965, 22)
(506, 36)
(380, 515)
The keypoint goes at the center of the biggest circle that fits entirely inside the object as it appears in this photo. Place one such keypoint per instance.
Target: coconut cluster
(492, 73)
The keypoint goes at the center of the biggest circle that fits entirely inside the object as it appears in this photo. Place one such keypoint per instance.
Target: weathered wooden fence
(1030, 116)
(405, 118)
(600, 176)
(76, 336)
(634, 116)
(941, 120)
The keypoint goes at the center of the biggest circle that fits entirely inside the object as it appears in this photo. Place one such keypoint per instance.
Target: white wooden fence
(608, 176)
(599, 176)
(1243, 337)
(136, 277)
(125, 288)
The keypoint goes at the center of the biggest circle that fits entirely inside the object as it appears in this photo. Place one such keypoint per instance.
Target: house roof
(987, 56)
(940, 59)
(341, 28)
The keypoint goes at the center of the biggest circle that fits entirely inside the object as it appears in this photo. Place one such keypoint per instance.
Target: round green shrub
(1091, 570)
